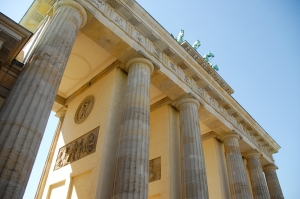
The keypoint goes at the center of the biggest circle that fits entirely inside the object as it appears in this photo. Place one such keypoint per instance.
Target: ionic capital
(270, 167)
(75, 5)
(61, 112)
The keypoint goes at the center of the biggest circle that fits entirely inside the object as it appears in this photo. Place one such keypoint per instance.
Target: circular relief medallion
(84, 109)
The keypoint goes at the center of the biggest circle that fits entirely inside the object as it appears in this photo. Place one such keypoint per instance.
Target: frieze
(155, 169)
(152, 49)
(77, 149)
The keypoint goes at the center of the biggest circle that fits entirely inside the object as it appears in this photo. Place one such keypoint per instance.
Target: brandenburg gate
(141, 114)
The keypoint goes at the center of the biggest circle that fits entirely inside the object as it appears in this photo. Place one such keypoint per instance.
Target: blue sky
(257, 48)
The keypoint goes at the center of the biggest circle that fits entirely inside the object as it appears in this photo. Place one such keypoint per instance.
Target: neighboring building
(141, 116)
(13, 37)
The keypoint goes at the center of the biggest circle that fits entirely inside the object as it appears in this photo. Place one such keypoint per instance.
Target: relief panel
(77, 149)
(155, 169)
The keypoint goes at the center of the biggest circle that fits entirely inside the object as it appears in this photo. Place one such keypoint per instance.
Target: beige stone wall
(248, 176)
(164, 143)
(91, 176)
(81, 178)
(217, 179)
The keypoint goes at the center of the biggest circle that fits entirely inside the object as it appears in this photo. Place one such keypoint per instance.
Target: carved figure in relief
(101, 2)
(83, 110)
(208, 56)
(180, 36)
(186, 79)
(97, 3)
(119, 21)
(197, 44)
(62, 158)
(81, 148)
(156, 52)
(139, 37)
(200, 91)
(152, 174)
(90, 142)
(172, 66)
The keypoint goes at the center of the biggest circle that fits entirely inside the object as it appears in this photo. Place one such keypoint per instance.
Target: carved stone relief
(187, 79)
(155, 169)
(139, 37)
(98, 4)
(84, 109)
(119, 21)
(77, 149)
(173, 67)
(156, 52)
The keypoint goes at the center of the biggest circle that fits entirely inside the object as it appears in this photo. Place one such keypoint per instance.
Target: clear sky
(257, 48)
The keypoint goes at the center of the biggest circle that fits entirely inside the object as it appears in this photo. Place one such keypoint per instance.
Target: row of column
(24, 116)
(131, 179)
(238, 179)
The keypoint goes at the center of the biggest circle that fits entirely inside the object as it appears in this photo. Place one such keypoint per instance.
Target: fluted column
(131, 177)
(193, 165)
(237, 175)
(272, 181)
(24, 116)
(258, 182)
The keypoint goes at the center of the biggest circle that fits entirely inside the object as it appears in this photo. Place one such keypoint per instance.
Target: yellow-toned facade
(116, 36)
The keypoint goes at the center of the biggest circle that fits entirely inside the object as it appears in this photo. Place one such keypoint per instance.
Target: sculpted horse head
(215, 67)
(180, 36)
(208, 56)
(196, 44)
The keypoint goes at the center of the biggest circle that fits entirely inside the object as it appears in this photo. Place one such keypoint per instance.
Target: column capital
(231, 134)
(187, 100)
(251, 153)
(61, 112)
(270, 167)
(75, 5)
(139, 60)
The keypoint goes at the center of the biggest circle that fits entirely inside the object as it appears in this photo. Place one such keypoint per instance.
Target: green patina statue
(208, 56)
(196, 44)
(180, 36)
(215, 67)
